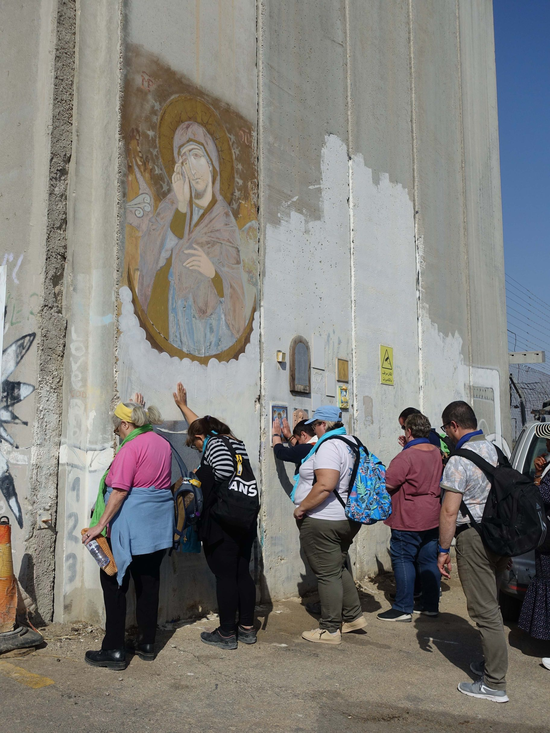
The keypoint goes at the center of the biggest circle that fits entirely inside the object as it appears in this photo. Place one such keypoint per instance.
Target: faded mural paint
(191, 215)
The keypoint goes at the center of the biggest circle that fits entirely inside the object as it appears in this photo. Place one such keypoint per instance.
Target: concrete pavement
(395, 677)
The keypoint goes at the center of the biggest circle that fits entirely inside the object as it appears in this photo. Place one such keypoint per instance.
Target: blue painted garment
(466, 438)
(143, 524)
(416, 441)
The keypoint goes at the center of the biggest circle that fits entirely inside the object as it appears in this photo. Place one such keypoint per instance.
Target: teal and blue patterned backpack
(368, 501)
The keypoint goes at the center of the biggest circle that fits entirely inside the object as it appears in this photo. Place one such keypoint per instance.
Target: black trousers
(145, 570)
(229, 560)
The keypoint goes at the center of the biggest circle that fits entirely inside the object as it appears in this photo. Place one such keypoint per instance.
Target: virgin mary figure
(190, 272)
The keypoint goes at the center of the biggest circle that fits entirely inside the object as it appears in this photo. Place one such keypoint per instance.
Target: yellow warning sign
(386, 365)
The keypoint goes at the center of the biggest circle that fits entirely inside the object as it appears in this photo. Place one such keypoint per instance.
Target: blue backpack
(188, 502)
(368, 501)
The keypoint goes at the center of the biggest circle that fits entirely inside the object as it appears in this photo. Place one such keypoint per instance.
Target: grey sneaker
(478, 668)
(247, 636)
(479, 689)
(214, 638)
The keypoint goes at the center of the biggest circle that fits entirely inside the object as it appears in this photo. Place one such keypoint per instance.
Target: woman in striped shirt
(227, 549)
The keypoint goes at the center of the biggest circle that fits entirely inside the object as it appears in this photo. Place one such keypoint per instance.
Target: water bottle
(97, 553)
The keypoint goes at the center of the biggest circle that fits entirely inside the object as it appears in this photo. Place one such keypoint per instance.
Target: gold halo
(182, 109)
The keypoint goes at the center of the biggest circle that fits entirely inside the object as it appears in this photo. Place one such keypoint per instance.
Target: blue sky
(522, 41)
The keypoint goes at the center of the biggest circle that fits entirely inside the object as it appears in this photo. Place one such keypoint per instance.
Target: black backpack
(237, 501)
(513, 520)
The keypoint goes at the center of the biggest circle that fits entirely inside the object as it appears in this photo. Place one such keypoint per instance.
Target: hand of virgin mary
(180, 184)
(199, 261)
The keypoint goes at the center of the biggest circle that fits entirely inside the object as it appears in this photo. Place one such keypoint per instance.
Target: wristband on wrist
(276, 435)
(443, 550)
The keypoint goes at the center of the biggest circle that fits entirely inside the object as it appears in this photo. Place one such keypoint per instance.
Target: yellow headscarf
(123, 412)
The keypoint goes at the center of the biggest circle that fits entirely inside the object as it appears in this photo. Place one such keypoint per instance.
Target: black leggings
(229, 560)
(145, 571)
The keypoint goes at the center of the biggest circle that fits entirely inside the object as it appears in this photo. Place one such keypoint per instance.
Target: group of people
(135, 509)
(436, 497)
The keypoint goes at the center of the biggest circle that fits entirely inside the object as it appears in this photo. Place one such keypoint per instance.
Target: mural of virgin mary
(190, 272)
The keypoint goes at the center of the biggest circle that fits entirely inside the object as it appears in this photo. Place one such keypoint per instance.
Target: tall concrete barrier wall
(344, 189)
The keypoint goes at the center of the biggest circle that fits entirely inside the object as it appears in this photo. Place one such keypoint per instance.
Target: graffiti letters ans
(191, 215)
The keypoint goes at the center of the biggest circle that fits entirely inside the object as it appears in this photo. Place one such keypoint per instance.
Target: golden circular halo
(181, 109)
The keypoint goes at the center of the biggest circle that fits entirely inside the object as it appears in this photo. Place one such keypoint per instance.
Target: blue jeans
(409, 551)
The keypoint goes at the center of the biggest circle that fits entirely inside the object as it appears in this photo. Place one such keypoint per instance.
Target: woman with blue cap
(326, 534)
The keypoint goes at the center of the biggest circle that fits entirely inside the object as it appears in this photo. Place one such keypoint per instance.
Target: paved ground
(395, 677)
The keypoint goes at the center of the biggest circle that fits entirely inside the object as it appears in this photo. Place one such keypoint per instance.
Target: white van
(513, 586)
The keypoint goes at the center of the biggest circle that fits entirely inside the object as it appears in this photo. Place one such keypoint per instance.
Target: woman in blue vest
(135, 507)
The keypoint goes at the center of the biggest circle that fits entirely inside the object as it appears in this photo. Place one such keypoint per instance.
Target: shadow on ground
(452, 636)
(367, 718)
(527, 644)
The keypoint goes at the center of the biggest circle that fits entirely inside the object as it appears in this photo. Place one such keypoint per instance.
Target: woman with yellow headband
(135, 504)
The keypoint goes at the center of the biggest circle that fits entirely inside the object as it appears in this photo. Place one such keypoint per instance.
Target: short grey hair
(418, 424)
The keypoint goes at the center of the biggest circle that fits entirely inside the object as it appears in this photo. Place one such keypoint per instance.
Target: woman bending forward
(138, 509)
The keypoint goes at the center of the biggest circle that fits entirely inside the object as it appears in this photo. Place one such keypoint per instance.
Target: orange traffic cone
(12, 637)
(8, 586)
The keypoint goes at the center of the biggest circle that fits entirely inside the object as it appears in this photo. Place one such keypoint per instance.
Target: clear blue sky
(522, 40)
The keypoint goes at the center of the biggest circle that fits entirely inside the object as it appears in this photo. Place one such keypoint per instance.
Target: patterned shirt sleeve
(455, 475)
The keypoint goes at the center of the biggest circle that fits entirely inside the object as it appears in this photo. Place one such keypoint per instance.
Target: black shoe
(110, 658)
(247, 636)
(143, 651)
(394, 615)
(214, 638)
(419, 608)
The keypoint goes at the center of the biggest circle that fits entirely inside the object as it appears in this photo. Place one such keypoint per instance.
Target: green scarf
(99, 507)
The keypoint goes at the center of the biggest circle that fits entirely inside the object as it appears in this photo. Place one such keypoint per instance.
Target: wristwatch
(443, 550)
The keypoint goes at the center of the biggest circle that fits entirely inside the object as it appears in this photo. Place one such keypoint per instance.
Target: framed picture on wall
(299, 375)
(343, 397)
(298, 415)
(277, 411)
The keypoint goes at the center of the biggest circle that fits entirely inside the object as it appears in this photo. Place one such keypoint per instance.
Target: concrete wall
(357, 158)
(36, 127)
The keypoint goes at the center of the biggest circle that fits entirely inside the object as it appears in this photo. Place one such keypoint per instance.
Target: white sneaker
(546, 662)
(322, 636)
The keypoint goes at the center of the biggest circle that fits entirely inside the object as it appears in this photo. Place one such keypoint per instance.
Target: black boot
(143, 651)
(111, 658)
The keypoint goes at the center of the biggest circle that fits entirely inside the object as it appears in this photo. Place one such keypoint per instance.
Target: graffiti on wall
(191, 216)
(13, 392)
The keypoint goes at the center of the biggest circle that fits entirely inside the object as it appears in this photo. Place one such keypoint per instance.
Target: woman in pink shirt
(135, 503)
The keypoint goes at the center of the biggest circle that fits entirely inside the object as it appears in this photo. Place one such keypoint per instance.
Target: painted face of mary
(197, 167)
